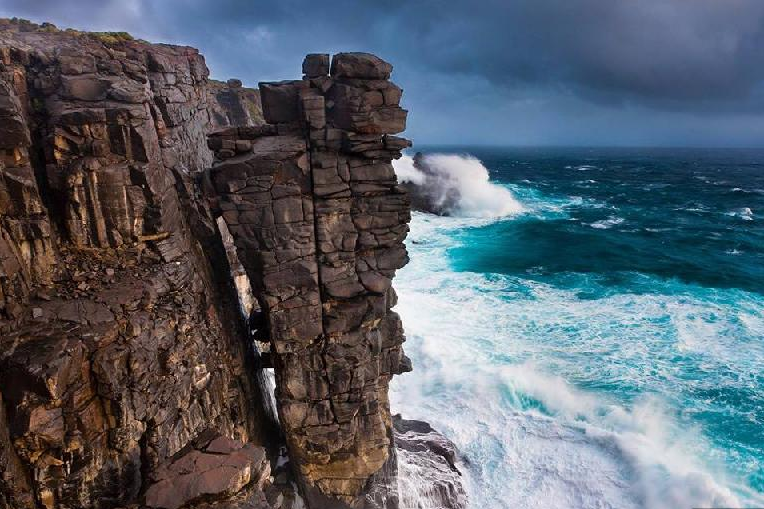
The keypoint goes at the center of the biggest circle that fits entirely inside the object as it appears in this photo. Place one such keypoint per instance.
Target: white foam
(497, 376)
(463, 176)
(608, 223)
(407, 172)
(744, 213)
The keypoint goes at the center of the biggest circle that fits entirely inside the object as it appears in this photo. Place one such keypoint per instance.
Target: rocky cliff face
(318, 219)
(232, 104)
(118, 343)
(138, 268)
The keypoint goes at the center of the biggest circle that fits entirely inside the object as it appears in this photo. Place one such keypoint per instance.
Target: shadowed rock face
(231, 104)
(318, 220)
(120, 338)
(128, 375)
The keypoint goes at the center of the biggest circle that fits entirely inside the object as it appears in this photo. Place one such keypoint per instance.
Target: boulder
(361, 66)
(316, 65)
(218, 470)
(281, 101)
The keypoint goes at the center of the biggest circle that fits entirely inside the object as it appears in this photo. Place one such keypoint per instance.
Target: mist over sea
(588, 326)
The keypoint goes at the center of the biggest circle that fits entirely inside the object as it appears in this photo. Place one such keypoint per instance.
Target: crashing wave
(454, 185)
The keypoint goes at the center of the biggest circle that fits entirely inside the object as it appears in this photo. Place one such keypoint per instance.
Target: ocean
(588, 326)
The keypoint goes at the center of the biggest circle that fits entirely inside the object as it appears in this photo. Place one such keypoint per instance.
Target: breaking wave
(456, 185)
(531, 437)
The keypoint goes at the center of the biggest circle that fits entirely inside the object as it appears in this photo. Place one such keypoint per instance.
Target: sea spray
(428, 475)
(520, 425)
(455, 185)
(602, 349)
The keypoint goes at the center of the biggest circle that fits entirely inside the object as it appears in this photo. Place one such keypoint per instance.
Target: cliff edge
(166, 244)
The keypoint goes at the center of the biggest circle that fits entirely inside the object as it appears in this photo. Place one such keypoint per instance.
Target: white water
(463, 176)
(477, 379)
(497, 359)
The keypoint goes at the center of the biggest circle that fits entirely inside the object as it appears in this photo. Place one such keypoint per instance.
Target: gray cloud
(647, 71)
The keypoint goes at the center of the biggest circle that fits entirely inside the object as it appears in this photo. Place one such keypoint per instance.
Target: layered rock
(139, 260)
(120, 337)
(232, 104)
(318, 219)
(213, 467)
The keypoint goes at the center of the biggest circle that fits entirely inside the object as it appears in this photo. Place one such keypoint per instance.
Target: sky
(490, 72)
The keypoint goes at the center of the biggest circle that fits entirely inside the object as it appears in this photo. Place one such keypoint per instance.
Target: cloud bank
(591, 72)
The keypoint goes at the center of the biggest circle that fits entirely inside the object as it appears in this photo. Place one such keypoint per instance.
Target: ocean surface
(588, 326)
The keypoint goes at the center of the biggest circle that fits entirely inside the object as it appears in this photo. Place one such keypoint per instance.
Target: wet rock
(427, 467)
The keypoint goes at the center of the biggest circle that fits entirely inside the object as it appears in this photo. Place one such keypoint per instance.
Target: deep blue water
(603, 345)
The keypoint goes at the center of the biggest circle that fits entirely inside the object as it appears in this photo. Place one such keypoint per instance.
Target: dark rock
(360, 65)
(280, 101)
(120, 334)
(438, 194)
(219, 471)
(130, 266)
(427, 466)
(324, 272)
(316, 65)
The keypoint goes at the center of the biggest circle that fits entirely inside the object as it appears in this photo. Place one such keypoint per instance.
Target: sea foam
(458, 184)
(499, 376)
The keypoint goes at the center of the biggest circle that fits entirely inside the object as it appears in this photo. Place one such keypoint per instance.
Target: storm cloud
(593, 72)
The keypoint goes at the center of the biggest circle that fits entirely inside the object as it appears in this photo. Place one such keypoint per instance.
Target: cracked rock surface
(163, 240)
(120, 340)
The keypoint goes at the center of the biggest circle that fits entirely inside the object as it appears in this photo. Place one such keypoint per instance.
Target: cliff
(150, 278)
(232, 104)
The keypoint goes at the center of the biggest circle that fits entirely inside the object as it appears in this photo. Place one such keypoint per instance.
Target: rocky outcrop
(432, 191)
(120, 337)
(150, 275)
(232, 104)
(318, 221)
(216, 467)
(429, 476)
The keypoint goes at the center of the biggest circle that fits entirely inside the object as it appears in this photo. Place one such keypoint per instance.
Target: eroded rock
(319, 221)
(427, 467)
(219, 469)
(120, 337)
(123, 349)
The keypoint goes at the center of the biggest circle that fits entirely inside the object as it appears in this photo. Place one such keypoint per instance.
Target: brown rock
(316, 65)
(323, 267)
(223, 470)
(280, 101)
(360, 65)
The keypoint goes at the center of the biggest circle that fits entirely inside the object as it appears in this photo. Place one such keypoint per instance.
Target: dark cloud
(522, 71)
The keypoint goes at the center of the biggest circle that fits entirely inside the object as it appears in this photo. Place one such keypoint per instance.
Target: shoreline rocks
(427, 467)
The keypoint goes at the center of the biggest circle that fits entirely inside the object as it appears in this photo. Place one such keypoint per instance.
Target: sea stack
(164, 243)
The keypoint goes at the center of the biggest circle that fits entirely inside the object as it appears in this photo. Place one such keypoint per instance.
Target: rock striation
(318, 220)
(232, 104)
(120, 339)
(164, 241)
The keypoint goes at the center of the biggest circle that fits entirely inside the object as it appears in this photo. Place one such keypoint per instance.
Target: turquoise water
(603, 344)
